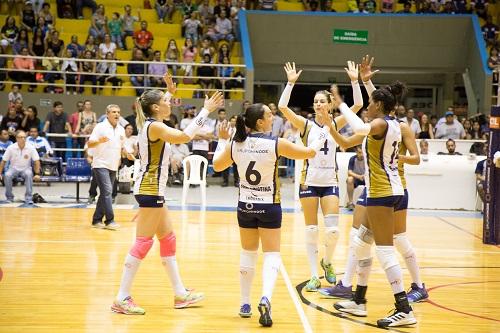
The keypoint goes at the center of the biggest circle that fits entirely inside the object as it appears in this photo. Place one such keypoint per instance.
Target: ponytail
(143, 105)
(140, 117)
(241, 131)
(390, 96)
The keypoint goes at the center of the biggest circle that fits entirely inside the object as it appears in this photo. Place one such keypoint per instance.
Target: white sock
(351, 263)
(270, 269)
(331, 235)
(364, 268)
(312, 248)
(170, 264)
(248, 260)
(404, 247)
(389, 262)
(129, 270)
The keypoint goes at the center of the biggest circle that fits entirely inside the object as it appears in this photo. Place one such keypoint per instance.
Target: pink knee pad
(168, 245)
(141, 247)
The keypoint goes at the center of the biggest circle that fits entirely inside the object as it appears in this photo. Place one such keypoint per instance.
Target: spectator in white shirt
(412, 122)
(21, 156)
(450, 129)
(41, 144)
(107, 140)
(179, 151)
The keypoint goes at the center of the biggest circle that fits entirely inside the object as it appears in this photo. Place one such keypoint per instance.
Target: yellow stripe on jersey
(401, 167)
(277, 184)
(380, 184)
(304, 138)
(150, 179)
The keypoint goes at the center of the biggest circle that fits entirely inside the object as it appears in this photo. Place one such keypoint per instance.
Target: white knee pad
(248, 259)
(311, 234)
(365, 234)
(362, 249)
(386, 256)
(331, 224)
(402, 244)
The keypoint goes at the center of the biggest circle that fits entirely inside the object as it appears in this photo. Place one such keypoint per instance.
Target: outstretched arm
(366, 73)
(292, 76)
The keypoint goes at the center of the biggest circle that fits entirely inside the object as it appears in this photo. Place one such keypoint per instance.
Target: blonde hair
(143, 105)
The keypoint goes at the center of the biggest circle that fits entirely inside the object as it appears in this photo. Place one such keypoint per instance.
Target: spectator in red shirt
(143, 39)
(24, 69)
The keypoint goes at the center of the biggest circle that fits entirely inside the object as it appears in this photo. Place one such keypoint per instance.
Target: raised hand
(224, 130)
(365, 68)
(214, 102)
(352, 70)
(171, 86)
(291, 72)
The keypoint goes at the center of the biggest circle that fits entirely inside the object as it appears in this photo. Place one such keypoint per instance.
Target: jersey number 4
(252, 176)
(325, 148)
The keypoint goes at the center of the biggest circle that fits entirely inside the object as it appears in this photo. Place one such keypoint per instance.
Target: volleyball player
(154, 139)
(319, 182)
(259, 211)
(343, 289)
(384, 192)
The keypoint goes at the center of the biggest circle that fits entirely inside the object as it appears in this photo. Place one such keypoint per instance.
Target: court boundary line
(465, 231)
(295, 299)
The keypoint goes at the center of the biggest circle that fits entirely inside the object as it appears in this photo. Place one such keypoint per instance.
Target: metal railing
(75, 75)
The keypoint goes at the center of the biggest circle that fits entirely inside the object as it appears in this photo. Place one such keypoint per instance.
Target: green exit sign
(350, 36)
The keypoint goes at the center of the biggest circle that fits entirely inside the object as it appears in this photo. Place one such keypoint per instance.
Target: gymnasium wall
(418, 49)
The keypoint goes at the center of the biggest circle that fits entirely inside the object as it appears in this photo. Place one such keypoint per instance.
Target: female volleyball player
(153, 106)
(319, 183)
(343, 289)
(259, 211)
(384, 192)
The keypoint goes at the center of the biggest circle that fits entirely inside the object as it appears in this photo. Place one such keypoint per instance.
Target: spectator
(107, 141)
(424, 147)
(400, 111)
(90, 68)
(189, 114)
(188, 8)
(448, 8)
(128, 23)
(490, 31)
(23, 67)
(406, 8)
(450, 146)
(98, 24)
(107, 46)
(476, 133)
(91, 46)
(143, 39)
(225, 73)
(480, 178)
(37, 45)
(201, 141)
(55, 43)
(3, 72)
(22, 41)
(189, 53)
(355, 175)
(467, 128)
(115, 27)
(412, 122)
(192, 26)
(74, 47)
(41, 144)
(427, 129)
(87, 119)
(179, 152)
(277, 129)
(9, 32)
(20, 155)
(480, 7)
(207, 48)
(207, 72)
(51, 63)
(65, 9)
(387, 7)
(137, 71)
(50, 20)
(74, 117)
(18, 106)
(460, 6)
(206, 11)
(162, 8)
(493, 63)
(328, 7)
(132, 119)
(15, 94)
(108, 69)
(57, 123)
(4, 141)
(223, 53)
(42, 26)
(268, 5)
(31, 119)
(158, 69)
(371, 6)
(11, 122)
(234, 17)
(68, 67)
(80, 4)
(172, 54)
(361, 8)
(450, 129)
(223, 29)
(28, 16)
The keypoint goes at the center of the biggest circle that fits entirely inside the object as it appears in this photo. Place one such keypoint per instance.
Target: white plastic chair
(196, 163)
(357, 192)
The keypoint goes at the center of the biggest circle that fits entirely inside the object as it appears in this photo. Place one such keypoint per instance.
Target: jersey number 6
(252, 172)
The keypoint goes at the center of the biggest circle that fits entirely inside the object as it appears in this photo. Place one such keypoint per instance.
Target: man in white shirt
(201, 141)
(412, 122)
(179, 152)
(20, 155)
(107, 141)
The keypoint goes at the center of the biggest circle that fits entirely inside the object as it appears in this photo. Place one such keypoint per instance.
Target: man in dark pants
(57, 123)
(107, 142)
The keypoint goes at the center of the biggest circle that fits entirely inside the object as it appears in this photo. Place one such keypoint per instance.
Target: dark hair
(450, 139)
(35, 111)
(57, 103)
(31, 127)
(390, 96)
(249, 119)
(129, 124)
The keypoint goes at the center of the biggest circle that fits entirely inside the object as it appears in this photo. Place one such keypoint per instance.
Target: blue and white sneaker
(245, 311)
(265, 312)
(416, 294)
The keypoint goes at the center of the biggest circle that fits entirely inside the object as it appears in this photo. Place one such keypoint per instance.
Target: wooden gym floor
(60, 275)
